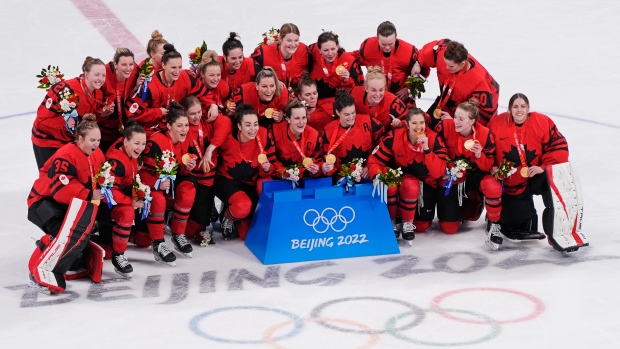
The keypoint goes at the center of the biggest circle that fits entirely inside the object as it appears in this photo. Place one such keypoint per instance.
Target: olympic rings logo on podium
(321, 223)
(394, 326)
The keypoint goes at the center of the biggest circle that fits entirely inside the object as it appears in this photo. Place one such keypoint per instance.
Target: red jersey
(48, 130)
(218, 96)
(247, 94)
(389, 106)
(200, 137)
(246, 72)
(537, 141)
(327, 81)
(66, 175)
(159, 95)
(456, 148)
(288, 70)
(291, 151)
(159, 142)
(351, 143)
(239, 161)
(395, 150)
(124, 169)
(322, 115)
(116, 93)
(396, 64)
(458, 88)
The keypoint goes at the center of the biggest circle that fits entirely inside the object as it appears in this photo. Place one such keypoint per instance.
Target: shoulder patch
(48, 103)
(63, 179)
(133, 108)
(375, 150)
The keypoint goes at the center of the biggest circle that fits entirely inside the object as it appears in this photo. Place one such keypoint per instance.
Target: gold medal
(524, 171)
(262, 158)
(330, 158)
(437, 113)
(229, 104)
(469, 144)
(419, 133)
(307, 162)
(95, 202)
(269, 113)
(340, 69)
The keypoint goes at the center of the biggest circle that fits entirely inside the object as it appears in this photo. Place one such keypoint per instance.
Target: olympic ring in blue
(193, 325)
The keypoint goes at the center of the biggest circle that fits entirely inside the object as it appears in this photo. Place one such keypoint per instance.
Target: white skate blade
(170, 264)
(41, 289)
(125, 275)
(492, 245)
(410, 242)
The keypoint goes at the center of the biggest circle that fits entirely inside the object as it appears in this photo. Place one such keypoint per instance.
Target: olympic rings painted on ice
(299, 324)
(321, 219)
(495, 328)
(538, 304)
(268, 334)
(316, 313)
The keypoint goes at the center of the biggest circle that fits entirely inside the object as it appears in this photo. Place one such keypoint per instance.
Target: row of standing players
(228, 165)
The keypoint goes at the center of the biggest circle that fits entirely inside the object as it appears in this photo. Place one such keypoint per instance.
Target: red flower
(101, 180)
(352, 168)
(275, 37)
(192, 55)
(286, 174)
(141, 193)
(45, 80)
(265, 39)
(161, 163)
(451, 165)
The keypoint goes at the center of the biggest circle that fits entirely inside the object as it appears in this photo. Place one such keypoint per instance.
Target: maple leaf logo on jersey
(287, 162)
(513, 155)
(243, 171)
(417, 169)
(354, 153)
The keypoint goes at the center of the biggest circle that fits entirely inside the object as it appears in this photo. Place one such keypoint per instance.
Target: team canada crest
(134, 107)
(63, 179)
(48, 103)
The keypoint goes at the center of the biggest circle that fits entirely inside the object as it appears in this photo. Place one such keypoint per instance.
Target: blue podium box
(318, 222)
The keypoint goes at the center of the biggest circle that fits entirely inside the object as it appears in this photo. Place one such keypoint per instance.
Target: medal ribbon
(417, 148)
(303, 156)
(342, 137)
(520, 146)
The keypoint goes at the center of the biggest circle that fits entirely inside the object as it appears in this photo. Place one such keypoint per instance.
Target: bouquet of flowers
(293, 173)
(142, 192)
(49, 77)
(455, 170)
(147, 70)
(166, 166)
(383, 180)
(504, 170)
(351, 173)
(196, 56)
(415, 84)
(105, 181)
(270, 36)
(67, 104)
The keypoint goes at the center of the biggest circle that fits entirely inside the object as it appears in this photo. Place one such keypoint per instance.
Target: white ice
(563, 55)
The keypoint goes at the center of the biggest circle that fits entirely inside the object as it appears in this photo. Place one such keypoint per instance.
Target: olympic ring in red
(539, 305)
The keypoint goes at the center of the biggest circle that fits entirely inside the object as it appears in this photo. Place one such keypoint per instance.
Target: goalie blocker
(560, 189)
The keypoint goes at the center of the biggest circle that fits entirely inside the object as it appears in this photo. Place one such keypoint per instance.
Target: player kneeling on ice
(63, 202)
(532, 156)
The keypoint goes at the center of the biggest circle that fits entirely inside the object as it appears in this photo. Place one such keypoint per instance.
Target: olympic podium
(319, 221)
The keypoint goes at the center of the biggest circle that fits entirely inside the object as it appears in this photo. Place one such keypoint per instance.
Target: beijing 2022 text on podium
(318, 222)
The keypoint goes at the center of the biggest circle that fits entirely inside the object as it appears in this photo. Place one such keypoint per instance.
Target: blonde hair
(156, 39)
(209, 58)
(268, 72)
(89, 122)
(471, 107)
(374, 73)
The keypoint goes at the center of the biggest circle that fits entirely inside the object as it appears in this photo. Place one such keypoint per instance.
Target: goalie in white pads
(60, 204)
(531, 142)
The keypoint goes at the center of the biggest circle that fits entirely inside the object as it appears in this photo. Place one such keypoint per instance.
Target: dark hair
(305, 80)
(325, 37)
(414, 111)
(189, 101)
(209, 59)
(268, 72)
(169, 53)
(89, 122)
(386, 29)
(456, 52)
(517, 96)
(242, 110)
(343, 100)
(132, 126)
(293, 103)
(122, 52)
(156, 40)
(175, 111)
(471, 107)
(231, 43)
(89, 62)
(286, 29)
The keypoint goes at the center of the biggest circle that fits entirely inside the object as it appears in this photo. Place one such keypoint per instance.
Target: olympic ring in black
(329, 223)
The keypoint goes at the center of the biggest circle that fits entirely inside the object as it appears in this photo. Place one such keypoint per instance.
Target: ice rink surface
(444, 291)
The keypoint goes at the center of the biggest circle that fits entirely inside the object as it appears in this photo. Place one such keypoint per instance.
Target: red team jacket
(247, 94)
(48, 130)
(396, 150)
(476, 82)
(288, 71)
(239, 161)
(456, 149)
(124, 169)
(200, 137)
(117, 93)
(322, 115)
(218, 96)
(66, 175)
(327, 81)
(245, 73)
(287, 153)
(148, 113)
(159, 142)
(358, 143)
(389, 106)
(396, 65)
(542, 145)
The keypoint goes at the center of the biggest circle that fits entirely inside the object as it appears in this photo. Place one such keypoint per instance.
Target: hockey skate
(494, 236)
(182, 245)
(408, 232)
(398, 226)
(163, 254)
(517, 232)
(121, 265)
(228, 229)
